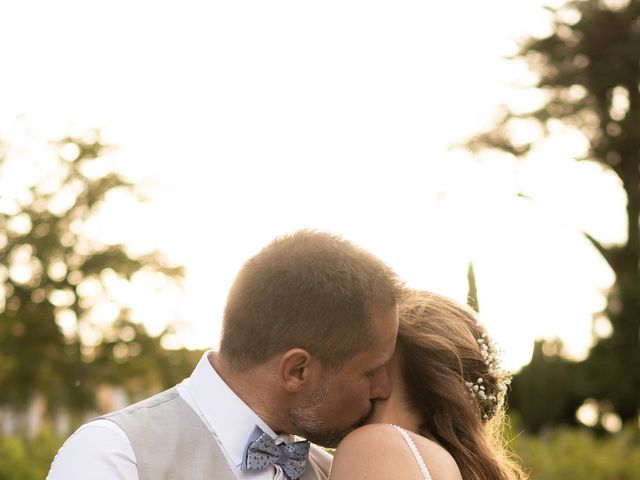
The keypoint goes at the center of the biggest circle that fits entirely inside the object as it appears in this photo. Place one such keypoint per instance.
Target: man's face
(344, 399)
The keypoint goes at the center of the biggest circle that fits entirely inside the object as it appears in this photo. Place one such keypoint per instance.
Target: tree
(53, 275)
(589, 72)
(472, 292)
(548, 390)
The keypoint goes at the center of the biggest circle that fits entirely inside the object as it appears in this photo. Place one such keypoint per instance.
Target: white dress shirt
(100, 449)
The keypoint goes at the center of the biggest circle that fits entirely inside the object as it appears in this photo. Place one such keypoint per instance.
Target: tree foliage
(589, 72)
(549, 389)
(53, 276)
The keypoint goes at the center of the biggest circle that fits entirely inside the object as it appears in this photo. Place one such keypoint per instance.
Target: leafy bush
(571, 453)
(21, 459)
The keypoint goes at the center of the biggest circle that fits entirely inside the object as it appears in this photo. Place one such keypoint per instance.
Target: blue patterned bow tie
(262, 451)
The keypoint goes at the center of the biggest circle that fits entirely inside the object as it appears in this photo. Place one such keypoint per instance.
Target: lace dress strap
(415, 452)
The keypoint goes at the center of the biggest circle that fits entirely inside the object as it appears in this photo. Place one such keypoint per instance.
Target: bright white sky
(258, 118)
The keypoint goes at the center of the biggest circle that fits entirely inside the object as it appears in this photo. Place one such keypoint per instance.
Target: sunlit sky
(253, 119)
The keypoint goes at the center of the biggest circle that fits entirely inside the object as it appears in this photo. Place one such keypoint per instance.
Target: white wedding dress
(415, 452)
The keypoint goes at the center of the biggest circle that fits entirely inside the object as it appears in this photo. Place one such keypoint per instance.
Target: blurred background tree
(55, 277)
(548, 390)
(588, 71)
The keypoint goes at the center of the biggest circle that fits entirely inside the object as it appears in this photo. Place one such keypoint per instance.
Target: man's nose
(381, 386)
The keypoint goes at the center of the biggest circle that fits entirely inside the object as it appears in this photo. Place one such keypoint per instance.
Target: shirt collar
(230, 418)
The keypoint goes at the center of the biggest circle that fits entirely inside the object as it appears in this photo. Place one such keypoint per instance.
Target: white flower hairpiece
(489, 400)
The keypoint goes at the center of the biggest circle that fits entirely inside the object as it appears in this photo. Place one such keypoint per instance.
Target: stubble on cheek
(310, 425)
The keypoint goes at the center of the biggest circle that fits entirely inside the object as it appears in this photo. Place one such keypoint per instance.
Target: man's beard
(308, 424)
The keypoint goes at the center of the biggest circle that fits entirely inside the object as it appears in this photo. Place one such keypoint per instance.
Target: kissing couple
(321, 341)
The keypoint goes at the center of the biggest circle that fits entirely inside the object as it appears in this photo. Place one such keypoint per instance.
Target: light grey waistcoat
(170, 441)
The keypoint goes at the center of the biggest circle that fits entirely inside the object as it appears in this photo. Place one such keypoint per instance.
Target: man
(309, 324)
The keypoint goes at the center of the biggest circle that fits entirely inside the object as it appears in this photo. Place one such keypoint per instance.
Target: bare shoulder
(378, 451)
(438, 460)
(373, 452)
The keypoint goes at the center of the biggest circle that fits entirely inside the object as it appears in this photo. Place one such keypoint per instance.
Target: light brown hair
(441, 358)
(310, 290)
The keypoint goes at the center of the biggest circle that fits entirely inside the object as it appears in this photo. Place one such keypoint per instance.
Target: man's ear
(295, 369)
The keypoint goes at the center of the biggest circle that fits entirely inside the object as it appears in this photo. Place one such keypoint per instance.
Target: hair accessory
(490, 396)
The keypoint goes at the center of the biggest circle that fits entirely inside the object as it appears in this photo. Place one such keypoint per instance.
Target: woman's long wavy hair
(441, 359)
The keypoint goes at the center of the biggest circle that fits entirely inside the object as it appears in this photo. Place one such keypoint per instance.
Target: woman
(443, 419)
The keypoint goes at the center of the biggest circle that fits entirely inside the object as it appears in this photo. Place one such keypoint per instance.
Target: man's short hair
(310, 290)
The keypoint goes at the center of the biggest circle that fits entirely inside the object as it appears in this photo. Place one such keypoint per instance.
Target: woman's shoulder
(439, 461)
(379, 451)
